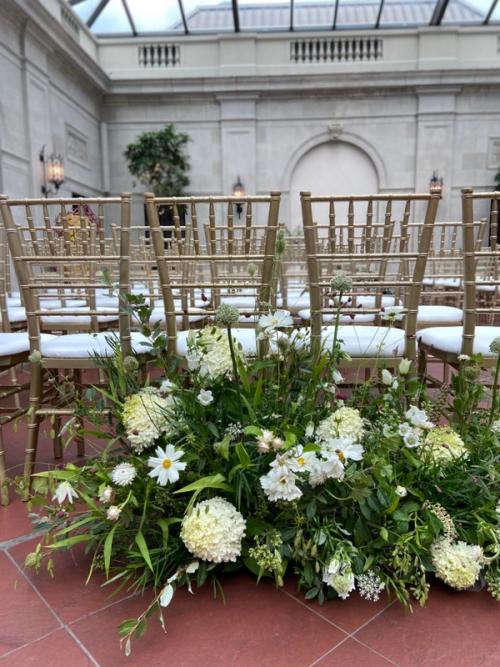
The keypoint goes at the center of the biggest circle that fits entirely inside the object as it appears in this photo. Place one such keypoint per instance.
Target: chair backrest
(481, 268)
(63, 264)
(365, 236)
(220, 248)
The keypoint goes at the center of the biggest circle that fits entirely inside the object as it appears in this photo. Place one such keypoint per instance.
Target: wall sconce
(239, 191)
(53, 171)
(436, 180)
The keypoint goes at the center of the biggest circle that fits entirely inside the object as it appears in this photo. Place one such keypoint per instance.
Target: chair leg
(4, 491)
(421, 364)
(80, 441)
(33, 425)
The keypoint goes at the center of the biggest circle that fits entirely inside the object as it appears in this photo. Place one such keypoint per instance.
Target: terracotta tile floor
(65, 623)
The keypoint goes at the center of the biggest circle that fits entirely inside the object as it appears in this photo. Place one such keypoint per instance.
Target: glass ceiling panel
(468, 12)
(84, 9)
(264, 14)
(495, 17)
(208, 15)
(357, 14)
(313, 14)
(112, 20)
(406, 13)
(156, 16)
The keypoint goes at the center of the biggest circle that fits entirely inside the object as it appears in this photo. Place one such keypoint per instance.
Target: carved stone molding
(334, 130)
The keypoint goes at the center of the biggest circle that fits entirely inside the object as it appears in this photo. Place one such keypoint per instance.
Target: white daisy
(345, 449)
(302, 461)
(276, 320)
(64, 491)
(166, 464)
(123, 474)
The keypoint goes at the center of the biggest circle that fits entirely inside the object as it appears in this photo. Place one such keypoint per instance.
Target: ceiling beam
(96, 12)
(183, 16)
(439, 11)
(75, 2)
(291, 15)
(236, 16)
(379, 14)
(335, 14)
(490, 12)
(129, 16)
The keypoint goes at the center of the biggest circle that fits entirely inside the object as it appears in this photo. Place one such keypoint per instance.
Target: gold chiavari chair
(71, 262)
(481, 271)
(293, 294)
(219, 254)
(371, 253)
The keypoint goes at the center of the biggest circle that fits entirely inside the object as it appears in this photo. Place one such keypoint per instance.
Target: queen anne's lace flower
(456, 563)
(210, 353)
(146, 415)
(442, 445)
(370, 585)
(343, 423)
(213, 531)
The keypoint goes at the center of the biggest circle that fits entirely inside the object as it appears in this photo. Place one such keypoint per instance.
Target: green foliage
(158, 159)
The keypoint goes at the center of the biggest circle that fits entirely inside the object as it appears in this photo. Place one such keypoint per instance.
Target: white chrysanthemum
(456, 563)
(343, 423)
(213, 531)
(210, 348)
(146, 416)
(442, 446)
(279, 484)
(340, 577)
(123, 474)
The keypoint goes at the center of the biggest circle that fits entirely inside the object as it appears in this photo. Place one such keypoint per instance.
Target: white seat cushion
(54, 304)
(439, 314)
(239, 301)
(71, 319)
(448, 282)
(365, 341)
(16, 314)
(85, 345)
(295, 299)
(344, 319)
(158, 315)
(14, 343)
(245, 337)
(449, 339)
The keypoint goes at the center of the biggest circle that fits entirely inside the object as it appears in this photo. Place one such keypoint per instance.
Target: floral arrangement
(225, 461)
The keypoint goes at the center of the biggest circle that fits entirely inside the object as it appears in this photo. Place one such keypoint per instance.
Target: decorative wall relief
(76, 146)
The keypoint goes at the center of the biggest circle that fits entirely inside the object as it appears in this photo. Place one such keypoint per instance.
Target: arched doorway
(331, 168)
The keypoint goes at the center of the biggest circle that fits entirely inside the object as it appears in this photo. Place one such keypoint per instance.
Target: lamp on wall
(436, 180)
(239, 191)
(53, 171)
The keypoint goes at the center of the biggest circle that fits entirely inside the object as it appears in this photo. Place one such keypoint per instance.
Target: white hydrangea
(210, 354)
(147, 415)
(343, 423)
(458, 564)
(213, 531)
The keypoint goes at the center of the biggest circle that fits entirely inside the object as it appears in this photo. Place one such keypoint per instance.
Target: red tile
(352, 653)
(23, 616)
(348, 614)
(57, 650)
(67, 592)
(258, 627)
(14, 519)
(453, 630)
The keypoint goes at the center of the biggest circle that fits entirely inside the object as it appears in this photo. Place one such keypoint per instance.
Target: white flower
(123, 474)
(395, 385)
(113, 513)
(337, 376)
(392, 312)
(210, 353)
(146, 415)
(344, 422)
(106, 494)
(345, 449)
(264, 441)
(412, 438)
(192, 567)
(418, 417)
(277, 443)
(463, 357)
(370, 585)
(282, 462)
(280, 485)
(166, 595)
(458, 564)
(205, 397)
(166, 387)
(193, 360)
(340, 577)
(404, 366)
(64, 491)
(387, 378)
(302, 461)
(278, 319)
(404, 429)
(401, 491)
(495, 427)
(330, 467)
(309, 432)
(213, 531)
(166, 464)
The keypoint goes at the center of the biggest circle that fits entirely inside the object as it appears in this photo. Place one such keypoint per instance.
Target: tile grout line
(331, 650)
(316, 613)
(33, 641)
(8, 544)
(376, 652)
(98, 611)
(62, 625)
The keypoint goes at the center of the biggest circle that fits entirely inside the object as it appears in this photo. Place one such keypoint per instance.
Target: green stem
(495, 391)
(235, 371)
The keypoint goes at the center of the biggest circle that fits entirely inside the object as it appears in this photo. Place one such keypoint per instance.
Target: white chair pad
(15, 343)
(344, 319)
(80, 320)
(239, 301)
(449, 339)
(85, 345)
(245, 337)
(158, 315)
(439, 314)
(16, 314)
(448, 282)
(364, 341)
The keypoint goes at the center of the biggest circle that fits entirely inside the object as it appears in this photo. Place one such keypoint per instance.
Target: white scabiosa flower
(343, 423)
(147, 415)
(166, 464)
(64, 491)
(456, 563)
(213, 531)
(123, 474)
(279, 484)
(113, 513)
(205, 397)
